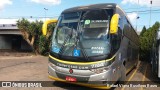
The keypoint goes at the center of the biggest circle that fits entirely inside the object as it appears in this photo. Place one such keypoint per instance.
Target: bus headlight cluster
(100, 70)
(52, 65)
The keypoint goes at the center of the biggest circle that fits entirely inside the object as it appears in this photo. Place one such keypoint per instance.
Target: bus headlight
(100, 70)
(52, 65)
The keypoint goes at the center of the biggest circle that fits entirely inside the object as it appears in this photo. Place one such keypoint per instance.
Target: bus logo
(70, 71)
(6, 84)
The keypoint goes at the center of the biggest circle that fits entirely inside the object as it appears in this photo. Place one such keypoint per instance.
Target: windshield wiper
(65, 41)
(78, 39)
(83, 51)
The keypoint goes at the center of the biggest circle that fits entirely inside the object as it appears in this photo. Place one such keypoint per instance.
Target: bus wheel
(124, 63)
(136, 64)
(123, 74)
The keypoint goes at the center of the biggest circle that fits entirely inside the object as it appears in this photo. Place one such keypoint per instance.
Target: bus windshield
(83, 33)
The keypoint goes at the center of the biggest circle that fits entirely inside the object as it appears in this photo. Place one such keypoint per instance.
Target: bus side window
(121, 23)
(121, 20)
(116, 40)
(127, 30)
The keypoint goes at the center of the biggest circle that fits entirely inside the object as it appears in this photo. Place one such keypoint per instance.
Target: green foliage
(143, 31)
(35, 28)
(32, 33)
(43, 45)
(146, 41)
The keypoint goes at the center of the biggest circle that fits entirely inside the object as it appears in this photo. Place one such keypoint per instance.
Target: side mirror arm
(45, 25)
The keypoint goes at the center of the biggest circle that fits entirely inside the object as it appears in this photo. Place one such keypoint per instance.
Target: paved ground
(34, 68)
(23, 68)
(141, 76)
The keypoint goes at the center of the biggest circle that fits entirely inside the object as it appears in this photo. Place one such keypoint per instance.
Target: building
(11, 38)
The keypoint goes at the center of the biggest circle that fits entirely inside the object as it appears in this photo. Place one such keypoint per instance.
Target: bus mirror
(45, 24)
(114, 24)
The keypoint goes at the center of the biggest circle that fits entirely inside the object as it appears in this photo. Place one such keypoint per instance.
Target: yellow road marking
(144, 76)
(130, 77)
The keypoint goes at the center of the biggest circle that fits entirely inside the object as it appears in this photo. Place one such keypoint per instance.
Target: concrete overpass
(9, 29)
(11, 38)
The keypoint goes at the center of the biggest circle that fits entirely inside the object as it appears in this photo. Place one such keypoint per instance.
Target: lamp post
(150, 13)
(137, 21)
(137, 17)
(45, 11)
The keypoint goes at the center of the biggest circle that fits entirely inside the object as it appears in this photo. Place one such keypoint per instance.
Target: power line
(53, 16)
(141, 7)
(143, 11)
(28, 17)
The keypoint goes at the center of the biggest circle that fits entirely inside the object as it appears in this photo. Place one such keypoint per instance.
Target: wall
(5, 42)
(14, 42)
(25, 46)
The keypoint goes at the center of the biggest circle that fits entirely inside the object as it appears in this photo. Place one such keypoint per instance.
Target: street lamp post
(137, 22)
(45, 10)
(150, 13)
(137, 17)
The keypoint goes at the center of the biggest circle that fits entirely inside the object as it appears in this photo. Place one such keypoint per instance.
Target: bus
(92, 46)
(155, 58)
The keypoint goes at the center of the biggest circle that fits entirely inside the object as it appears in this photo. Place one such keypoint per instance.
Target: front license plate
(71, 79)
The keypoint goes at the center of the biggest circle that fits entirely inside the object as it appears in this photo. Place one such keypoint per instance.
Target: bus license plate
(71, 79)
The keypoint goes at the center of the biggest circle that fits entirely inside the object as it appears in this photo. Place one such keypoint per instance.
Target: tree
(143, 31)
(31, 32)
(45, 41)
(146, 40)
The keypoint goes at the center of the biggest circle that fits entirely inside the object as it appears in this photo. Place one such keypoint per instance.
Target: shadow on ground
(68, 86)
(146, 69)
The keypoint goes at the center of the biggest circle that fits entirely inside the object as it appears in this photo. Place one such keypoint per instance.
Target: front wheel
(123, 74)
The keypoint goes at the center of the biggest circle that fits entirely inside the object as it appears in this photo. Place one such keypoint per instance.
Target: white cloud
(47, 2)
(132, 16)
(142, 2)
(3, 3)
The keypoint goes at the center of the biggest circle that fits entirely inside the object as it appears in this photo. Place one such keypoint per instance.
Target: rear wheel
(136, 63)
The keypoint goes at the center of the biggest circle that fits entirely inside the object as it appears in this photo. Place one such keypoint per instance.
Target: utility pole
(137, 17)
(150, 13)
(45, 11)
(137, 22)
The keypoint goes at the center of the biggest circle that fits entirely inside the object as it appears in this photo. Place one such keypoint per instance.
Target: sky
(12, 10)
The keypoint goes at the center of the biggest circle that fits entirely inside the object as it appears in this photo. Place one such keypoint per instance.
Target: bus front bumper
(101, 81)
(82, 84)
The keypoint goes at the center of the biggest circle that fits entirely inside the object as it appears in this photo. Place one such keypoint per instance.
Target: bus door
(129, 57)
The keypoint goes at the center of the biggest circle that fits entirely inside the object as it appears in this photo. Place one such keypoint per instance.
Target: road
(34, 68)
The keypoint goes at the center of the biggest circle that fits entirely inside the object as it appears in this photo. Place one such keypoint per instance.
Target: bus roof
(94, 6)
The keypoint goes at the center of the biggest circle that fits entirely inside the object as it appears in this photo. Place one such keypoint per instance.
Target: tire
(136, 64)
(123, 74)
